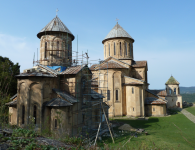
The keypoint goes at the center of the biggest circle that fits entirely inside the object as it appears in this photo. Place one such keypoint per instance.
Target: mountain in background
(186, 90)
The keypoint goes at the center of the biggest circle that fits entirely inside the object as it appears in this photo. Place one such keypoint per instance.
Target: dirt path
(188, 115)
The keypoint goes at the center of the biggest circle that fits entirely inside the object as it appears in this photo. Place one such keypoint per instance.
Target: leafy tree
(8, 84)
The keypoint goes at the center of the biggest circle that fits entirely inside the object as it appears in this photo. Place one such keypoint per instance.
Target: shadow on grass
(139, 123)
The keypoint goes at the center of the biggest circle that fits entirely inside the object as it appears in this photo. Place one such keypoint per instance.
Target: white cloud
(17, 49)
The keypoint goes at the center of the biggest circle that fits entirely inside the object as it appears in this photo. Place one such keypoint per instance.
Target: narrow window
(23, 113)
(116, 95)
(126, 48)
(114, 49)
(57, 52)
(170, 91)
(174, 90)
(130, 49)
(55, 123)
(68, 51)
(35, 114)
(178, 91)
(108, 94)
(120, 49)
(109, 49)
(132, 90)
(153, 109)
(45, 49)
(133, 108)
(83, 118)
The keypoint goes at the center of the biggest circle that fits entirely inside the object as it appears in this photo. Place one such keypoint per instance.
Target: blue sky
(163, 31)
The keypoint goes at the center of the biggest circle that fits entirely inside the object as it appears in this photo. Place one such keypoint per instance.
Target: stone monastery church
(56, 89)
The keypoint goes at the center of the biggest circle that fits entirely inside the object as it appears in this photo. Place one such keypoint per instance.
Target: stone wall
(155, 110)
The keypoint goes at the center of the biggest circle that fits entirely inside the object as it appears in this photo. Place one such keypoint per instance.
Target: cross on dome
(117, 20)
(57, 12)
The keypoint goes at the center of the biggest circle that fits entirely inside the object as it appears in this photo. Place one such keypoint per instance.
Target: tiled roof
(93, 66)
(156, 95)
(133, 78)
(133, 83)
(96, 95)
(139, 63)
(58, 102)
(12, 103)
(117, 31)
(38, 74)
(65, 95)
(13, 96)
(111, 64)
(55, 25)
(172, 80)
(73, 70)
(153, 100)
(159, 92)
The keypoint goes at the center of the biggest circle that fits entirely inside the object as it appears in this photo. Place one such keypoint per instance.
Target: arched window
(55, 123)
(126, 48)
(120, 49)
(178, 91)
(132, 90)
(23, 113)
(174, 90)
(109, 49)
(114, 50)
(35, 114)
(170, 91)
(45, 49)
(58, 52)
(116, 95)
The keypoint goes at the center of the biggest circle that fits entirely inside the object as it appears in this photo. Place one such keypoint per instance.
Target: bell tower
(55, 44)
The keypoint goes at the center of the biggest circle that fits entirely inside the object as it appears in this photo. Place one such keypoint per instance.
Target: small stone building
(56, 95)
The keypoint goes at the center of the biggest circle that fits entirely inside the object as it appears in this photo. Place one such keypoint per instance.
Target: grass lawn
(163, 134)
(191, 110)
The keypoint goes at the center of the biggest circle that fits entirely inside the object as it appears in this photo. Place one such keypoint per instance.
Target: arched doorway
(178, 104)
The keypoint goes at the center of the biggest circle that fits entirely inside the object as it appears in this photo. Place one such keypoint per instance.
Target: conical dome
(55, 25)
(116, 32)
(172, 81)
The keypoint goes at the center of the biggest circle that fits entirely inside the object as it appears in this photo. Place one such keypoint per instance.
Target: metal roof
(159, 92)
(153, 100)
(117, 31)
(66, 96)
(139, 63)
(58, 102)
(55, 25)
(96, 95)
(74, 69)
(12, 103)
(13, 96)
(37, 74)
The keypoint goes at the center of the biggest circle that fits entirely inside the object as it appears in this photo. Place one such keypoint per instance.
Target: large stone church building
(126, 80)
(59, 95)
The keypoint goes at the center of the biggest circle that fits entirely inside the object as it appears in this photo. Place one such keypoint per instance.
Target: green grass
(163, 134)
(191, 110)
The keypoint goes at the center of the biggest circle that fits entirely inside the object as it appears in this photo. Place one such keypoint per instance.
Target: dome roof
(117, 31)
(55, 25)
(172, 80)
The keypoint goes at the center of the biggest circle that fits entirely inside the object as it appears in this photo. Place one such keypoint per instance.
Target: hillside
(187, 90)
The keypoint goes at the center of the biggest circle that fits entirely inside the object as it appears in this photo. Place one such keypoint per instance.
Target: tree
(8, 84)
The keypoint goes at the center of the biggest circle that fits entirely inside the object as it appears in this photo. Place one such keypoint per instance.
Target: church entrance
(178, 104)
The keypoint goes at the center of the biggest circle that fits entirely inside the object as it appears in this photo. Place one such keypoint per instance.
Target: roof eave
(117, 38)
